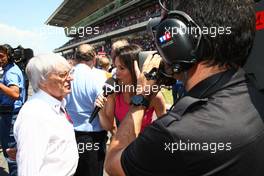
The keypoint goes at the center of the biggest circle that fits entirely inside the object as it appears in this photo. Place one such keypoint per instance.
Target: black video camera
(19, 55)
(159, 74)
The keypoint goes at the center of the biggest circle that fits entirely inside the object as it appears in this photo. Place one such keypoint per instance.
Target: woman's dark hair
(127, 55)
(237, 15)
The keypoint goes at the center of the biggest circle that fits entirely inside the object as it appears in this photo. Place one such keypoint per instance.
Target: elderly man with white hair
(45, 138)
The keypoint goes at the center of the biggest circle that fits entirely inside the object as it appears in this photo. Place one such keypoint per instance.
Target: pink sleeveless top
(122, 108)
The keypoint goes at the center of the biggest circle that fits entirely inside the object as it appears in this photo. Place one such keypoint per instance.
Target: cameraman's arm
(126, 133)
(159, 104)
(11, 91)
(131, 125)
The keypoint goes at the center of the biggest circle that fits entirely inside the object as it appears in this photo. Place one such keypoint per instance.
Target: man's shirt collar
(216, 82)
(8, 66)
(53, 102)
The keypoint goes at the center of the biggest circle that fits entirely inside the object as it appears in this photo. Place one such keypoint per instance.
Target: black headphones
(178, 39)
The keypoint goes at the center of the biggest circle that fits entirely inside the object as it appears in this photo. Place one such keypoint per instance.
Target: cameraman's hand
(144, 85)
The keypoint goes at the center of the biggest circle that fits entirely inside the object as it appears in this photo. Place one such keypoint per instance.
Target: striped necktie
(68, 117)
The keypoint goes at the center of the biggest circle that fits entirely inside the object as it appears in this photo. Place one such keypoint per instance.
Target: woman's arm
(110, 112)
(106, 114)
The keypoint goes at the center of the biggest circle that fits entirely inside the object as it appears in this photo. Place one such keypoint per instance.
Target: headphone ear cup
(178, 40)
(173, 41)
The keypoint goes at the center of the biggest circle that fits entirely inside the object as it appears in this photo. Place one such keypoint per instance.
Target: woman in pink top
(121, 109)
(117, 104)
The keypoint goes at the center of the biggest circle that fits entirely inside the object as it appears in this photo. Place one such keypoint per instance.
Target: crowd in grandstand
(122, 21)
(146, 43)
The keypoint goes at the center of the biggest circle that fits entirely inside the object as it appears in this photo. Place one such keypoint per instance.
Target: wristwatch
(139, 100)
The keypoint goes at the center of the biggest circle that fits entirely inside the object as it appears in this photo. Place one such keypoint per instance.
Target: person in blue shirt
(12, 97)
(91, 137)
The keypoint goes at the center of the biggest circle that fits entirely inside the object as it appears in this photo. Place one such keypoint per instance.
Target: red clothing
(122, 108)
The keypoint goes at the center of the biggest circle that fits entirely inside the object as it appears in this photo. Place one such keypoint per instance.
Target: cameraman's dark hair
(7, 49)
(3, 49)
(127, 55)
(85, 52)
(239, 15)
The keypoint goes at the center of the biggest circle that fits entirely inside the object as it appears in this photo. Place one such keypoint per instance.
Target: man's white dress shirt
(46, 144)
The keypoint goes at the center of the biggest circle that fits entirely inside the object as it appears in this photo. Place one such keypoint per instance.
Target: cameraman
(12, 97)
(217, 128)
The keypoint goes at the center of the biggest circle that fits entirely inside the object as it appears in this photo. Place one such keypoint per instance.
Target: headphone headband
(178, 39)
